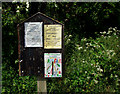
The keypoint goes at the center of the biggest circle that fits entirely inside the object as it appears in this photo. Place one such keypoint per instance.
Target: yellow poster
(53, 36)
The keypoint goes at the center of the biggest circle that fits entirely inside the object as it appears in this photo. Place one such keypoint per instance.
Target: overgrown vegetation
(92, 56)
(93, 66)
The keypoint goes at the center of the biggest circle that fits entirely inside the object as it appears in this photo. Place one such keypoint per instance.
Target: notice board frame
(27, 65)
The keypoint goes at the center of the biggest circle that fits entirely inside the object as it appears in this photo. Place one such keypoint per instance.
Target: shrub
(92, 65)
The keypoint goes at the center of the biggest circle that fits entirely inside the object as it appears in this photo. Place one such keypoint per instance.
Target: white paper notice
(33, 34)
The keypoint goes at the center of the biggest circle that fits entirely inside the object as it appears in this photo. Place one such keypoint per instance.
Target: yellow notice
(52, 36)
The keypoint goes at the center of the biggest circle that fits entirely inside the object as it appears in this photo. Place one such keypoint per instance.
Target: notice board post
(41, 48)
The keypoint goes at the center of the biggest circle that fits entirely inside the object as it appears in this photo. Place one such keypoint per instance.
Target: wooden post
(41, 85)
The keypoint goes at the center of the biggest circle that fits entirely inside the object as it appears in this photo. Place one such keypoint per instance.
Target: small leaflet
(33, 34)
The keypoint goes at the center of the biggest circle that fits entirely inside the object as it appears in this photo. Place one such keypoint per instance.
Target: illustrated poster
(52, 36)
(33, 34)
(53, 64)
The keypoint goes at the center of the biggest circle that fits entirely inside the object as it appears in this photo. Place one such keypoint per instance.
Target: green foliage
(91, 55)
(93, 65)
(11, 82)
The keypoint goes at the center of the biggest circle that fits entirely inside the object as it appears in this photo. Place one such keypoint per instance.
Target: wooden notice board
(38, 36)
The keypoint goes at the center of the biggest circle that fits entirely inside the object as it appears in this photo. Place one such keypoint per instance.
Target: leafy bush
(93, 65)
(12, 83)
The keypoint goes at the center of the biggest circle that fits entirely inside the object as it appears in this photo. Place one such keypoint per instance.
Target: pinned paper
(53, 36)
(53, 68)
(33, 34)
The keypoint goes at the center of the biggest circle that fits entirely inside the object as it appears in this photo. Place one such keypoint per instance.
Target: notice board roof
(42, 18)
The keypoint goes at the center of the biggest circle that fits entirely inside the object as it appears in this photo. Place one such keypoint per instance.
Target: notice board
(41, 45)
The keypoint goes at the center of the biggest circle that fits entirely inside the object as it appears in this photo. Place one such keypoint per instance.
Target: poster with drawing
(33, 34)
(52, 65)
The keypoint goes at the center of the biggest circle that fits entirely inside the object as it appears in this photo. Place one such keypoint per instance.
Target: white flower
(96, 81)
(14, 1)
(27, 3)
(55, 5)
(111, 51)
(116, 76)
(77, 45)
(97, 63)
(114, 29)
(91, 64)
(87, 43)
(79, 48)
(109, 32)
(104, 32)
(85, 50)
(66, 36)
(68, 39)
(113, 54)
(114, 33)
(110, 28)
(26, 9)
(98, 69)
(95, 42)
(88, 77)
(109, 57)
(96, 66)
(101, 70)
(70, 35)
(90, 44)
(17, 11)
(18, 7)
(85, 39)
(73, 59)
(85, 71)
